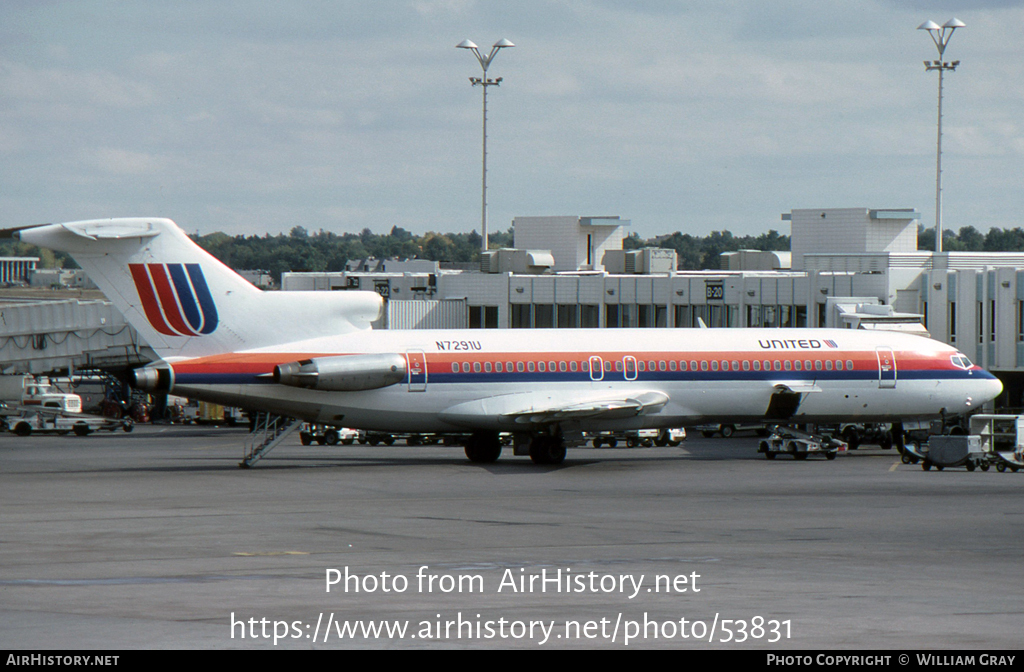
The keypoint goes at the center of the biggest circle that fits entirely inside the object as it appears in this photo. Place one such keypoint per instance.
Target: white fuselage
(460, 380)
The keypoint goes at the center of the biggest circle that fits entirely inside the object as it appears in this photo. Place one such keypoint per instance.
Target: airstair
(268, 432)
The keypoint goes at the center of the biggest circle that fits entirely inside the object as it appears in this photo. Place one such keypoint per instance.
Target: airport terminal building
(856, 268)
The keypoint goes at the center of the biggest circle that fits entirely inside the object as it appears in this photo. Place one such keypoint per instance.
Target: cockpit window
(960, 360)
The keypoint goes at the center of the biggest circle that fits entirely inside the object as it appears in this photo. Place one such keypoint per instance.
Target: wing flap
(538, 408)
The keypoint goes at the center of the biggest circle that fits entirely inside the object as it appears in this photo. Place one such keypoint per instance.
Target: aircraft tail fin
(186, 303)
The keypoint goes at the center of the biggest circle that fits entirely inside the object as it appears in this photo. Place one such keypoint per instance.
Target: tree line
(300, 250)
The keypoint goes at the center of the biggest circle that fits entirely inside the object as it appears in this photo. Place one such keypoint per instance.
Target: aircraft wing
(797, 386)
(542, 408)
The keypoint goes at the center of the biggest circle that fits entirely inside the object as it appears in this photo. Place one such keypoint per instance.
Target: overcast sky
(252, 116)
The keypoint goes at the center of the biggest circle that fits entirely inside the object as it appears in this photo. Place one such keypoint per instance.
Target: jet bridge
(41, 336)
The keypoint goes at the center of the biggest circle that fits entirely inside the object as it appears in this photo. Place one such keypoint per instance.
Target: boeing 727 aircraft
(313, 355)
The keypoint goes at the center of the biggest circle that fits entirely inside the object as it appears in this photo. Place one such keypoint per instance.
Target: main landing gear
(547, 449)
(485, 447)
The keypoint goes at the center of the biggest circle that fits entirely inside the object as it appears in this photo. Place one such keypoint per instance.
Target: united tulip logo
(176, 298)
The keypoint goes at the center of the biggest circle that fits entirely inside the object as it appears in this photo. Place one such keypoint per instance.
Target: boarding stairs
(268, 432)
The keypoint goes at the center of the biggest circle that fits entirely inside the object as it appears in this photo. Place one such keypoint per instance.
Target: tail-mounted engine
(344, 373)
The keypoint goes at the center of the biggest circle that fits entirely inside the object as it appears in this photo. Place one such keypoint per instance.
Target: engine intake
(344, 373)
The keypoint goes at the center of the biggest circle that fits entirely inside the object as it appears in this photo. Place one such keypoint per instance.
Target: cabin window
(562, 366)
(476, 367)
(788, 365)
(520, 367)
(703, 365)
(849, 365)
(497, 367)
(714, 365)
(757, 365)
(540, 367)
(828, 364)
(455, 367)
(746, 365)
(818, 366)
(573, 366)
(465, 367)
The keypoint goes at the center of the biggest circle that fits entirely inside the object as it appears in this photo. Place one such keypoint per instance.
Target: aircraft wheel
(547, 450)
(389, 440)
(483, 448)
(926, 465)
(939, 467)
(597, 442)
(886, 441)
(331, 437)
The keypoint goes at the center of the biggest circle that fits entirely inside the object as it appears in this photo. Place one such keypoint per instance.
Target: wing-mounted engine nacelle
(345, 373)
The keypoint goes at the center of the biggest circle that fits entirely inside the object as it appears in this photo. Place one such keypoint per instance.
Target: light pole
(940, 36)
(484, 82)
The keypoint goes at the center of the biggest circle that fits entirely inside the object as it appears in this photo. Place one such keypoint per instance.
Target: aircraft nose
(995, 388)
(985, 390)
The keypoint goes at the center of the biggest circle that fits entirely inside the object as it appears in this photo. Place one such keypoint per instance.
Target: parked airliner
(314, 356)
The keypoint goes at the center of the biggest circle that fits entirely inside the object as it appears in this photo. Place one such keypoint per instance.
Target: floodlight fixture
(940, 36)
(484, 82)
